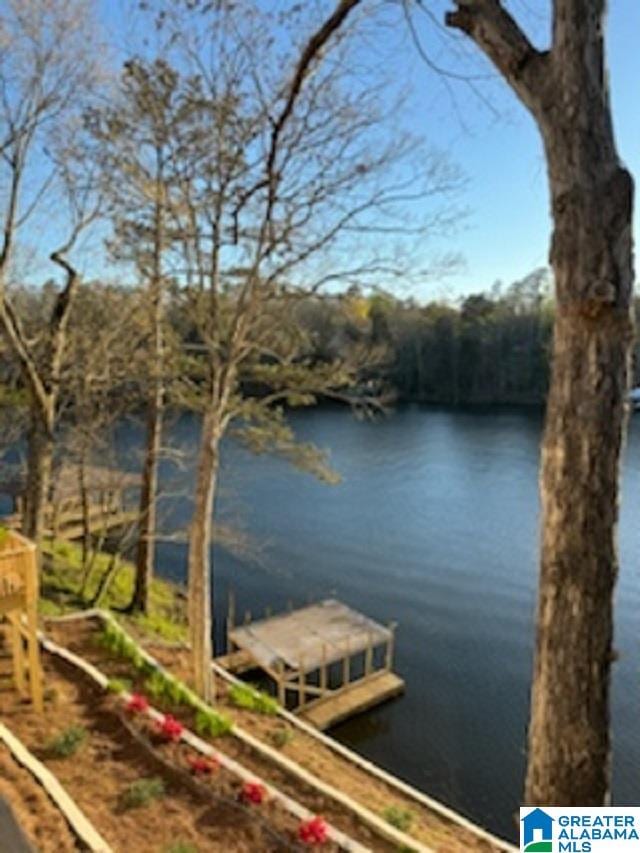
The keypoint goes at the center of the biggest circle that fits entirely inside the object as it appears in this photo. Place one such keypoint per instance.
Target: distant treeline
(485, 348)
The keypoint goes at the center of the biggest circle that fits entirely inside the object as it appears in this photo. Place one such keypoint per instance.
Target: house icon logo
(537, 832)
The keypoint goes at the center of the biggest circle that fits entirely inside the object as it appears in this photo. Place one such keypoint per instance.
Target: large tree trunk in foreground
(200, 606)
(566, 91)
(569, 733)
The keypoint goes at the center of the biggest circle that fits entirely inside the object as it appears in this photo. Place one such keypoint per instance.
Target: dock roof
(301, 635)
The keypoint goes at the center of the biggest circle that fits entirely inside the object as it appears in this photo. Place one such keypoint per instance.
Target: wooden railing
(19, 604)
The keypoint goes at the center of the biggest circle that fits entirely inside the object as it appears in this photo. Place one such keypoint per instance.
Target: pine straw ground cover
(419, 821)
(138, 787)
(41, 822)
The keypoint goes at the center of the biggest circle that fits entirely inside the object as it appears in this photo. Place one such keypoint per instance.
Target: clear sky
(508, 229)
(506, 233)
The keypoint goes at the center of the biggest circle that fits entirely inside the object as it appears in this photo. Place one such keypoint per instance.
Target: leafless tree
(294, 182)
(46, 70)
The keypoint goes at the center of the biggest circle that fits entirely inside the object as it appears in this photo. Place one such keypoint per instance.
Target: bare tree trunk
(39, 464)
(86, 514)
(145, 560)
(200, 583)
(592, 199)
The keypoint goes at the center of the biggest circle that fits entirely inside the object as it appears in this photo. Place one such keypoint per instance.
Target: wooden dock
(90, 500)
(334, 661)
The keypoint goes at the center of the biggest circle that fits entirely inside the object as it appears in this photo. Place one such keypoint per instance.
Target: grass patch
(281, 737)
(67, 743)
(142, 792)
(62, 581)
(245, 696)
(181, 847)
(398, 817)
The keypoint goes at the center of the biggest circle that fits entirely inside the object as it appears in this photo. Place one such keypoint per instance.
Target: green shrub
(212, 724)
(398, 817)
(142, 792)
(245, 696)
(67, 743)
(117, 642)
(281, 737)
(4, 537)
(118, 685)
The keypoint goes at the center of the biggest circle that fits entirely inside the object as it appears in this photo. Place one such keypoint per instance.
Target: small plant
(67, 743)
(170, 729)
(313, 832)
(202, 765)
(116, 641)
(181, 847)
(398, 817)
(281, 737)
(51, 695)
(4, 537)
(142, 792)
(137, 704)
(160, 685)
(211, 724)
(245, 696)
(118, 685)
(253, 793)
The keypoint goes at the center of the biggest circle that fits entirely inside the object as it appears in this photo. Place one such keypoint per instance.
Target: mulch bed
(118, 751)
(41, 822)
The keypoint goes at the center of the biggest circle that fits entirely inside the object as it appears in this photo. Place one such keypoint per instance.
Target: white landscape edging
(79, 823)
(294, 808)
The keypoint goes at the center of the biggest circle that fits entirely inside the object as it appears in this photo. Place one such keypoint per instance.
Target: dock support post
(231, 618)
(368, 656)
(390, 646)
(323, 670)
(282, 692)
(301, 683)
(346, 665)
(247, 617)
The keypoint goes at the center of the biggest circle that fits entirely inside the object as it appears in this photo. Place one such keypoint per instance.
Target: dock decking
(358, 697)
(314, 653)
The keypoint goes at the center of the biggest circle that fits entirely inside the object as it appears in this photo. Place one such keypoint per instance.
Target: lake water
(434, 525)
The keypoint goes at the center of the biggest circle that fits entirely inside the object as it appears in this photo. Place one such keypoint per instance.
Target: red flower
(137, 704)
(253, 793)
(202, 765)
(313, 832)
(170, 728)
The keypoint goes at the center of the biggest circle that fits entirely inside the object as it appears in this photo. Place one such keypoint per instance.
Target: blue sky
(508, 229)
(506, 233)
